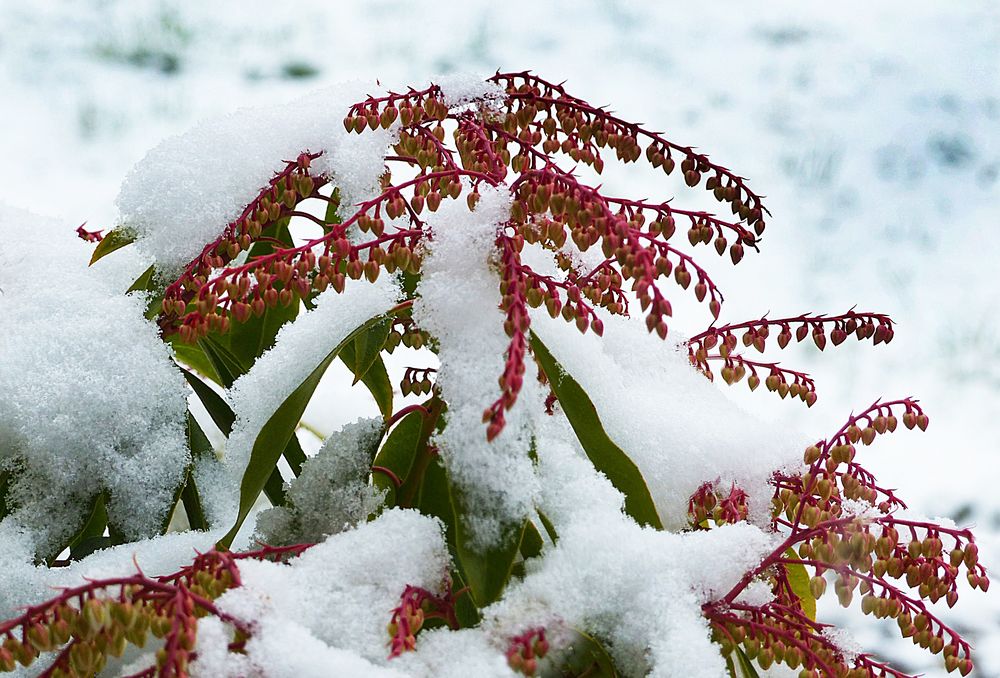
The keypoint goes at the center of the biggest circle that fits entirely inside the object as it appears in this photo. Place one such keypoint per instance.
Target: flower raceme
(842, 524)
(528, 138)
(516, 143)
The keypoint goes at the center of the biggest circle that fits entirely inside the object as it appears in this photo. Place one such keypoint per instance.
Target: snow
(182, 194)
(331, 494)
(89, 398)
(458, 298)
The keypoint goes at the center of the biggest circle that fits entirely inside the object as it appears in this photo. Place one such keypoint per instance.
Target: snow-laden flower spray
(548, 489)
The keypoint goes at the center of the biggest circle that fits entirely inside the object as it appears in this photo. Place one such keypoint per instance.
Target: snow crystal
(462, 89)
(678, 428)
(331, 493)
(183, 193)
(89, 398)
(344, 589)
(299, 348)
(458, 299)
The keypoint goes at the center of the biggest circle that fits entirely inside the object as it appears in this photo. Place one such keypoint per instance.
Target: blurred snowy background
(873, 128)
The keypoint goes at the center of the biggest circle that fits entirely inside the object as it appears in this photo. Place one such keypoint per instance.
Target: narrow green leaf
(194, 357)
(376, 378)
(222, 415)
(434, 498)
(397, 454)
(550, 529)
(226, 364)
(201, 448)
(192, 505)
(91, 537)
(604, 454)
(486, 571)
(143, 283)
(4, 483)
(331, 216)
(276, 432)
(367, 348)
(532, 543)
(585, 656)
(465, 607)
(114, 240)
(294, 455)
(198, 442)
(147, 283)
(274, 488)
(798, 579)
(248, 340)
(746, 666)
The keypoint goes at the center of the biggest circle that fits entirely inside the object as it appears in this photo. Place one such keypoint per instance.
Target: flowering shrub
(545, 503)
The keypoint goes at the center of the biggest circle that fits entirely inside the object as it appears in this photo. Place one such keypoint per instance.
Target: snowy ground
(874, 130)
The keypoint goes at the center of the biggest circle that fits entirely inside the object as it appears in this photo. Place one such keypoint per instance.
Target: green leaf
(398, 454)
(114, 240)
(226, 364)
(435, 496)
(798, 579)
(331, 216)
(91, 536)
(374, 375)
(746, 666)
(584, 656)
(294, 455)
(604, 454)
(198, 442)
(248, 340)
(367, 348)
(144, 282)
(276, 432)
(187, 493)
(532, 543)
(192, 505)
(550, 529)
(486, 571)
(194, 357)
(274, 488)
(4, 484)
(222, 415)
(147, 283)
